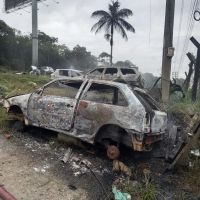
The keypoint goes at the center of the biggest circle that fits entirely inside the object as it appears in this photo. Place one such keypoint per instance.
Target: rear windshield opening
(111, 71)
(127, 71)
(97, 71)
(146, 100)
(63, 72)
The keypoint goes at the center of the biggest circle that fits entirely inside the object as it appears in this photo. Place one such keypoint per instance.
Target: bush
(3, 90)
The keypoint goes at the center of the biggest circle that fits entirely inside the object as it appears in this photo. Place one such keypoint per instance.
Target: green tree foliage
(16, 52)
(111, 20)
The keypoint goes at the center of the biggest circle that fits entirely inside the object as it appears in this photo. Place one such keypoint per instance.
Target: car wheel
(18, 126)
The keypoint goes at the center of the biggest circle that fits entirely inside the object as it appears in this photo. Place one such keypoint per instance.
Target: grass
(12, 84)
(186, 103)
(145, 190)
(3, 118)
(185, 108)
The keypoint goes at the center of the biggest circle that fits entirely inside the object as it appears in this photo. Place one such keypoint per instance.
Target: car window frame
(110, 74)
(127, 74)
(77, 95)
(96, 82)
(89, 73)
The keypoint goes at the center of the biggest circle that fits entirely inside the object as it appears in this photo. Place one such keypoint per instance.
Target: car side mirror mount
(39, 91)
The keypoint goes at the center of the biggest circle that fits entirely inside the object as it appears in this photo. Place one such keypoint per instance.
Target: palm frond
(126, 25)
(121, 30)
(98, 26)
(100, 13)
(113, 7)
(124, 13)
(107, 36)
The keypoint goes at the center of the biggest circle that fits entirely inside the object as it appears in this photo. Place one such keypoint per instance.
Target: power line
(179, 31)
(190, 26)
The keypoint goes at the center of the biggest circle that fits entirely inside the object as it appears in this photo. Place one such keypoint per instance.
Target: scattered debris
(41, 169)
(119, 195)
(8, 135)
(67, 155)
(195, 152)
(121, 167)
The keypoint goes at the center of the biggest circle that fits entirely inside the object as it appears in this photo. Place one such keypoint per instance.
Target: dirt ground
(31, 168)
(28, 177)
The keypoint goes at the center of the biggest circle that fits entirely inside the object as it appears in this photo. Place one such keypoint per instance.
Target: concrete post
(167, 50)
(34, 33)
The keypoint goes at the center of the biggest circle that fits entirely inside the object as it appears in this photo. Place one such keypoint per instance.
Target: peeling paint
(142, 122)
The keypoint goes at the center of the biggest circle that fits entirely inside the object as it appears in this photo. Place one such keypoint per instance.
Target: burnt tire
(18, 125)
(113, 152)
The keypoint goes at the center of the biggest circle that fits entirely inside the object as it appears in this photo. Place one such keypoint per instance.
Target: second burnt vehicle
(129, 75)
(95, 111)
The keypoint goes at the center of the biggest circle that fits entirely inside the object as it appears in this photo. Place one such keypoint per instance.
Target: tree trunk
(111, 46)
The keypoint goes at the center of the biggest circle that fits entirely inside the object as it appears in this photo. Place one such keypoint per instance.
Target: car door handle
(69, 106)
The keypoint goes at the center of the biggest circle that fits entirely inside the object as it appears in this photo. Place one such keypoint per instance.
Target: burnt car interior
(63, 88)
(126, 71)
(63, 73)
(111, 71)
(105, 94)
(97, 71)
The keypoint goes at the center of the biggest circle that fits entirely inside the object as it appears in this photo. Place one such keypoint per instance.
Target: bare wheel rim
(113, 152)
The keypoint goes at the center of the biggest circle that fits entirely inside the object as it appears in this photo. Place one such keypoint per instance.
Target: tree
(113, 20)
(16, 52)
(103, 55)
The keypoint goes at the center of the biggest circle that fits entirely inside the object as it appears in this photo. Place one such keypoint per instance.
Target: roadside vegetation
(12, 84)
(186, 103)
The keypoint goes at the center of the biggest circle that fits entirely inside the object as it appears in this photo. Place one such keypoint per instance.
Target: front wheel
(18, 125)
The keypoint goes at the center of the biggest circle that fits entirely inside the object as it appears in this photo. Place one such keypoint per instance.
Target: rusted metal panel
(83, 118)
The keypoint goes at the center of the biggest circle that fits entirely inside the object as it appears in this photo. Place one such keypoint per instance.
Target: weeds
(185, 103)
(145, 190)
(3, 118)
(13, 84)
(192, 176)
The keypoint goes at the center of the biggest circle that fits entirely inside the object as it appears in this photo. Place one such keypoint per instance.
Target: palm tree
(112, 20)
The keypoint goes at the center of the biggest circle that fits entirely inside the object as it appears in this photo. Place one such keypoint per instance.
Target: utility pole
(168, 50)
(196, 69)
(34, 33)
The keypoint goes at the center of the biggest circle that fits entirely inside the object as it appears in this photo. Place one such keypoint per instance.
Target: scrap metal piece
(5, 195)
(185, 149)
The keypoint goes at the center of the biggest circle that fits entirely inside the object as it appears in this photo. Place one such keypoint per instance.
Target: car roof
(75, 70)
(89, 80)
(112, 68)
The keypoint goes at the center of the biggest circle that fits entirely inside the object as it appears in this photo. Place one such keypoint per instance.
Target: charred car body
(128, 75)
(93, 111)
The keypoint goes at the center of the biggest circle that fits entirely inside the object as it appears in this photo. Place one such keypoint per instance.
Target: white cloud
(70, 22)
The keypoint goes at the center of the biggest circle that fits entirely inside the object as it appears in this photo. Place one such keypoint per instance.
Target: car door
(100, 104)
(54, 107)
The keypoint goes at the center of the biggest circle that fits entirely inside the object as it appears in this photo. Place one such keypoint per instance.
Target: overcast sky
(70, 22)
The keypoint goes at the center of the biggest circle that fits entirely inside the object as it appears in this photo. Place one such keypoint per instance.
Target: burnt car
(128, 75)
(95, 111)
(64, 73)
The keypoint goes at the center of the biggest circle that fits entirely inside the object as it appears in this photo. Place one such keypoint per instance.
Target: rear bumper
(144, 141)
